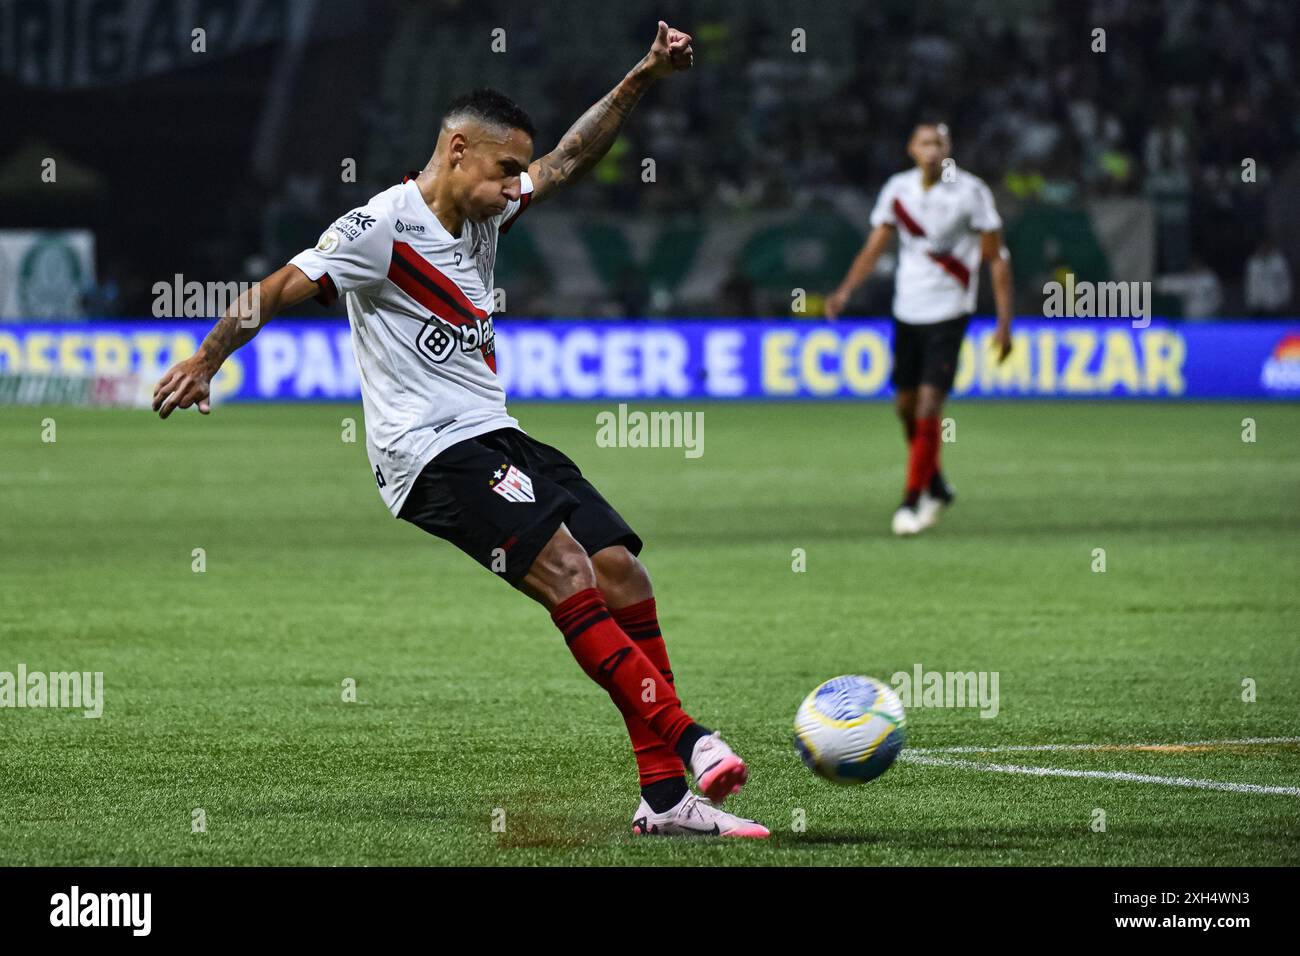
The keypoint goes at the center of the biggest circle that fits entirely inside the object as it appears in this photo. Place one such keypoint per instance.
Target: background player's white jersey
(419, 302)
(939, 242)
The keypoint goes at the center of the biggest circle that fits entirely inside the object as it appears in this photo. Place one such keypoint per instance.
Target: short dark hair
(491, 106)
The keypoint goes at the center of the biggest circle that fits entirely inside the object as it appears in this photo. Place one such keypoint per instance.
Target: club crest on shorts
(512, 484)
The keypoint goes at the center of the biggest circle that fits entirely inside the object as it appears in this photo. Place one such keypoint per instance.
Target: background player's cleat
(718, 772)
(695, 816)
(940, 489)
(928, 509)
(906, 522)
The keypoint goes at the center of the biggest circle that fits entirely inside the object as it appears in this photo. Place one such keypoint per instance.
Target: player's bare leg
(905, 406)
(929, 401)
(621, 577)
(564, 580)
(560, 570)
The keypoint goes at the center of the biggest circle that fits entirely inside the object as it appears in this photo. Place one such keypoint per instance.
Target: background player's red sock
(909, 429)
(609, 657)
(655, 760)
(923, 458)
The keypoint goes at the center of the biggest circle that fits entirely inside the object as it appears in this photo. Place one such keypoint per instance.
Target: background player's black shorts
(470, 496)
(927, 354)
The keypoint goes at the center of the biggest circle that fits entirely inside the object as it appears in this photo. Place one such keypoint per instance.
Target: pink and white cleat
(718, 772)
(695, 816)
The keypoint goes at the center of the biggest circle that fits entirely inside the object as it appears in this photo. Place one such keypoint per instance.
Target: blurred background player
(947, 223)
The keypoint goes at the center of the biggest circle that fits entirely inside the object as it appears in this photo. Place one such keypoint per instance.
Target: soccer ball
(850, 729)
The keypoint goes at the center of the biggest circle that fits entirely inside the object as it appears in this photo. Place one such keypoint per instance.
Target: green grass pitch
(224, 688)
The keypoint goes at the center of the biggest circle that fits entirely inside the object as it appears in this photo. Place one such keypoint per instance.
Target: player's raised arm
(595, 131)
(994, 251)
(188, 381)
(863, 265)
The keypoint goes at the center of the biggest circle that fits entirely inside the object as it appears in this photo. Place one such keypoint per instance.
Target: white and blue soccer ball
(850, 729)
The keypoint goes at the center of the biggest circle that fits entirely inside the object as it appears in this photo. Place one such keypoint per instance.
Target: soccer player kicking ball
(415, 264)
(947, 223)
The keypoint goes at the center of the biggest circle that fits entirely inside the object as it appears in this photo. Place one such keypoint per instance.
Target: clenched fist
(670, 52)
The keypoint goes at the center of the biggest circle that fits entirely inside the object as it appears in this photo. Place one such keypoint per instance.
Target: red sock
(655, 760)
(923, 458)
(610, 658)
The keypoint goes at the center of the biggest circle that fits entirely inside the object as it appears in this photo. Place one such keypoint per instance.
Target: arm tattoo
(588, 139)
(223, 339)
(237, 326)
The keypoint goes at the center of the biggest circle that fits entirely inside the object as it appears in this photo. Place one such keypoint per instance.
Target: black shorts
(927, 354)
(501, 496)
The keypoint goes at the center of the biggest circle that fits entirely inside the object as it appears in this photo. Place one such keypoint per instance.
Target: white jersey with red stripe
(939, 242)
(420, 305)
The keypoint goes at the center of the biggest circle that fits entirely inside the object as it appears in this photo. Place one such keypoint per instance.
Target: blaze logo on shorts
(512, 484)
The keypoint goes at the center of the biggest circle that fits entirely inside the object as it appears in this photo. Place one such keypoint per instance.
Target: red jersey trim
(524, 200)
(946, 261)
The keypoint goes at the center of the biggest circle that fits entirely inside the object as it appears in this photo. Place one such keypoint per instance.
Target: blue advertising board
(1053, 358)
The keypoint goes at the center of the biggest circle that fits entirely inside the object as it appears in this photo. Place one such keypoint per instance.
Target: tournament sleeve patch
(329, 241)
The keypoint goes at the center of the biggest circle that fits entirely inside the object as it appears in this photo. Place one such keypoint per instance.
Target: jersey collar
(422, 208)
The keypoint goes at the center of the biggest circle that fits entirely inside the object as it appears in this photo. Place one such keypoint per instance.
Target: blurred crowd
(1051, 101)
(1191, 105)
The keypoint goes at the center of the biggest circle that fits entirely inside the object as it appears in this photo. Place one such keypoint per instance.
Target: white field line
(1032, 748)
(926, 758)
(1101, 775)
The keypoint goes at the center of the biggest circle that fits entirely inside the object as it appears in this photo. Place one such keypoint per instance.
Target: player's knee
(929, 403)
(619, 570)
(573, 570)
(561, 570)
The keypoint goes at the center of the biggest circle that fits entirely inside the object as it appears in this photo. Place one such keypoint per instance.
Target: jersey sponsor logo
(455, 320)
(512, 484)
(439, 340)
(408, 226)
(354, 224)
